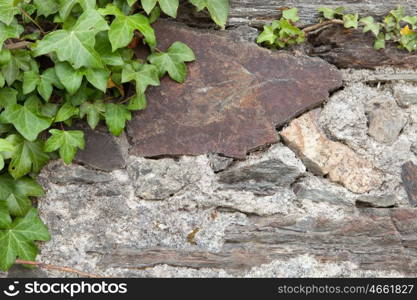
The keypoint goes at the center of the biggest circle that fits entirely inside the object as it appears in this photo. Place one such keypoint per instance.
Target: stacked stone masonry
(281, 165)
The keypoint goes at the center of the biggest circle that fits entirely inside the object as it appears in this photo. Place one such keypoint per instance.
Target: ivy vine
(63, 60)
(396, 27)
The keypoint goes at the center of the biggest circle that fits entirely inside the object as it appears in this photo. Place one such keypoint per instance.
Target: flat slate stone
(353, 49)
(102, 151)
(409, 177)
(235, 96)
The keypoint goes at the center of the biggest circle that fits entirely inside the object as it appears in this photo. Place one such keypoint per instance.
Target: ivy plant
(396, 27)
(66, 60)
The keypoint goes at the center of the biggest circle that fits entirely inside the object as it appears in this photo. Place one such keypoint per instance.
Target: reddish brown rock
(235, 96)
(409, 177)
(326, 157)
(348, 48)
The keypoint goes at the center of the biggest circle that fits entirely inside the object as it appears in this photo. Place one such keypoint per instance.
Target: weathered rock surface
(103, 228)
(353, 49)
(406, 95)
(373, 239)
(386, 120)
(409, 177)
(161, 179)
(258, 12)
(235, 96)
(326, 157)
(265, 175)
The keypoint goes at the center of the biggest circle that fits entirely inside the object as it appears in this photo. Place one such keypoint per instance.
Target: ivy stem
(57, 268)
(321, 25)
(18, 45)
(32, 20)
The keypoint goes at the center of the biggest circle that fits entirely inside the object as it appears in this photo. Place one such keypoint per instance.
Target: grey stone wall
(269, 215)
(332, 193)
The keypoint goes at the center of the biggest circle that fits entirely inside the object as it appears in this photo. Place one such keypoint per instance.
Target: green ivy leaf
(370, 25)
(291, 14)
(69, 77)
(412, 20)
(27, 156)
(15, 193)
(8, 96)
(93, 111)
(138, 102)
(218, 9)
(17, 240)
(67, 142)
(351, 21)
(66, 112)
(26, 121)
(98, 78)
(5, 219)
(173, 61)
(398, 13)
(76, 45)
(145, 76)
(267, 36)
(14, 30)
(169, 7)
(5, 146)
(66, 6)
(46, 7)
(7, 11)
(44, 82)
(116, 117)
(122, 28)
(380, 42)
(330, 13)
(16, 62)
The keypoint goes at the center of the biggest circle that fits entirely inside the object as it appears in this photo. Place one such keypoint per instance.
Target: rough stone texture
(409, 177)
(111, 232)
(265, 175)
(344, 118)
(405, 94)
(326, 157)
(236, 94)
(171, 217)
(258, 12)
(160, 179)
(386, 121)
(353, 49)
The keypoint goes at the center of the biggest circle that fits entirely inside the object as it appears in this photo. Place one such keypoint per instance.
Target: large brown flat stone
(235, 96)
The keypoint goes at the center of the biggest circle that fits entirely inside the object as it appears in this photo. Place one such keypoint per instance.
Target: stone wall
(293, 168)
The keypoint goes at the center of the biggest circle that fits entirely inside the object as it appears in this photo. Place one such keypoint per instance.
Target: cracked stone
(277, 168)
(386, 121)
(325, 157)
(234, 97)
(409, 177)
